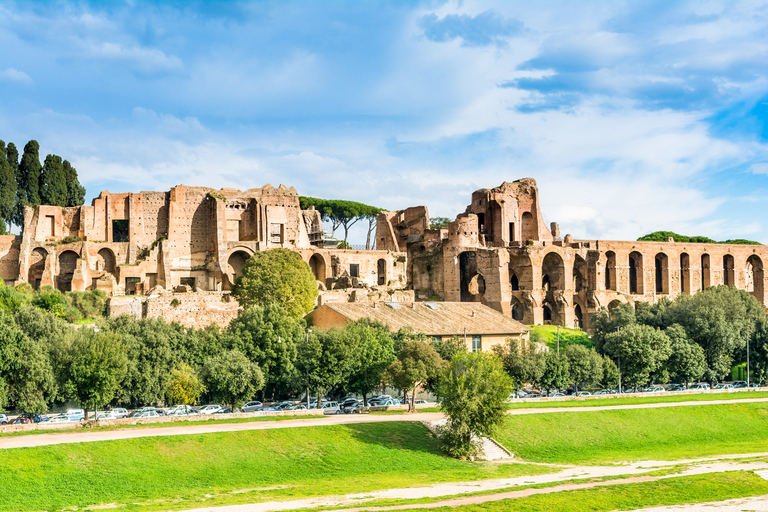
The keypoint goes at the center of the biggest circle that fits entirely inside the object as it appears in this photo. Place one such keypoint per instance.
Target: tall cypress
(53, 182)
(7, 189)
(29, 172)
(75, 191)
(12, 156)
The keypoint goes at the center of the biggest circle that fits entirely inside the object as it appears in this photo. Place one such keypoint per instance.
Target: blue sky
(631, 116)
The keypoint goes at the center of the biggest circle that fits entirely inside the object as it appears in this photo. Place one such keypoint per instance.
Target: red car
(21, 421)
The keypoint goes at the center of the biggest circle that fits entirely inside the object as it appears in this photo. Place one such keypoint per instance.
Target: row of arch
(66, 264)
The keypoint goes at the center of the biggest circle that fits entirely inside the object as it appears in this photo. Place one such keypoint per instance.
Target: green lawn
(595, 437)
(177, 472)
(673, 491)
(632, 400)
(548, 335)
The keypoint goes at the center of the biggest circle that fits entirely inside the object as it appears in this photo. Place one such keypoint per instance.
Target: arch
(613, 305)
(610, 270)
(706, 276)
(67, 267)
(521, 268)
(477, 285)
(317, 265)
(579, 317)
(661, 263)
(36, 266)
(235, 264)
(467, 272)
(381, 271)
(547, 314)
(553, 269)
(514, 283)
(685, 273)
(545, 283)
(755, 278)
(636, 273)
(105, 260)
(728, 274)
(517, 309)
(527, 227)
(579, 274)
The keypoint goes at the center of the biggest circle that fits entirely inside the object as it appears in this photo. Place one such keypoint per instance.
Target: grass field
(176, 472)
(548, 334)
(672, 433)
(673, 491)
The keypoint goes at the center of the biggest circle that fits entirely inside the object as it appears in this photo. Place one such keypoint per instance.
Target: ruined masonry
(176, 254)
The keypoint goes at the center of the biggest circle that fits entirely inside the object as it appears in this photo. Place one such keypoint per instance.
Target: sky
(631, 116)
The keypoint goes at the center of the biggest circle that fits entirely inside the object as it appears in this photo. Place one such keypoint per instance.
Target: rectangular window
(188, 281)
(437, 338)
(477, 344)
(354, 270)
(131, 284)
(276, 233)
(50, 224)
(120, 231)
(511, 231)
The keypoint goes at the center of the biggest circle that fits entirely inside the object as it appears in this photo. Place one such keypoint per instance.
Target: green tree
(269, 337)
(640, 351)
(29, 172)
(416, 363)
(53, 182)
(7, 189)
(610, 373)
(374, 351)
(758, 353)
(12, 156)
(472, 392)
(686, 360)
(325, 361)
(75, 191)
(97, 365)
(585, 366)
(341, 213)
(523, 361)
(277, 276)
(556, 371)
(439, 222)
(232, 378)
(184, 387)
(605, 322)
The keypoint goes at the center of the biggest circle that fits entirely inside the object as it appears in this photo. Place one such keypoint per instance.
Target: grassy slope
(638, 434)
(300, 462)
(548, 333)
(674, 491)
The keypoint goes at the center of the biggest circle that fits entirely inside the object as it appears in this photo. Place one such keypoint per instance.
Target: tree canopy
(662, 236)
(341, 213)
(277, 276)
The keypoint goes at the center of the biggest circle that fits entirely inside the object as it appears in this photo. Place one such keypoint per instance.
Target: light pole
(307, 368)
(747, 364)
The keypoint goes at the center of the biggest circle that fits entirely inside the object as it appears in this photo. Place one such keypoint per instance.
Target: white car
(148, 414)
(3, 419)
(62, 419)
(119, 412)
(106, 416)
(209, 409)
(77, 414)
(331, 408)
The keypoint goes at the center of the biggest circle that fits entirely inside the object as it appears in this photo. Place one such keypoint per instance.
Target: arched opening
(706, 278)
(317, 264)
(685, 273)
(527, 227)
(105, 261)
(67, 266)
(755, 278)
(554, 269)
(477, 285)
(513, 282)
(381, 271)
(547, 314)
(579, 274)
(37, 267)
(579, 317)
(613, 305)
(521, 268)
(662, 273)
(636, 273)
(235, 264)
(610, 270)
(518, 311)
(728, 276)
(467, 272)
(545, 284)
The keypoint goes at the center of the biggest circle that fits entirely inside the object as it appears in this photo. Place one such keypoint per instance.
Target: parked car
(676, 387)
(21, 421)
(62, 418)
(556, 395)
(3, 419)
(654, 389)
(226, 410)
(209, 409)
(724, 386)
(699, 385)
(119, 412)
(331, 408)
(79, 414)
(347, 402)
(105, 416)
(295, 407)
(583, 393)
(252, 406)
(602, 392)
(148, 414)
(389, 401)
(357, 408)
(350, 406)
(737, 384)
(36, 418)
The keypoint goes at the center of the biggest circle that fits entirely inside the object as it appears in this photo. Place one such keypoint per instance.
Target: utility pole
(318, 405)
(747, 364)
(558, 339)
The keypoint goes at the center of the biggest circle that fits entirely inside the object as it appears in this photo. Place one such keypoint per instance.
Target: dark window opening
(481, 222)
(131, 283)
(511, 231)
(120, 232)
(188, 281)
(354, 270)
(514, 283)
(547, 314)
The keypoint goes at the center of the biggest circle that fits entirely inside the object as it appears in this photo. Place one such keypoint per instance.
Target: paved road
(83, 436)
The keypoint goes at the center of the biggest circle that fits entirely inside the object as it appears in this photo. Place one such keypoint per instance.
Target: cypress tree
(29, 172)
(75, 191)
(53, 182)
(12, 156)
(7, 189)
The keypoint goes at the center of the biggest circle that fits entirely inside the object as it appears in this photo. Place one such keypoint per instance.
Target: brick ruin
(176, 254)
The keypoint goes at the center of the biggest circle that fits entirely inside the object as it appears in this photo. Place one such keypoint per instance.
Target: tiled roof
(433, 318)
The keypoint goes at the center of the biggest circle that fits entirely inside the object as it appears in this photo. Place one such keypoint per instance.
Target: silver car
(252, 406)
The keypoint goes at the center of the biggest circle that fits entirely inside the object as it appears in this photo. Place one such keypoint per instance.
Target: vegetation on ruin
(669, 433)
(277, 276)
(439, 222)
(178, 472)
(27, 182)
(663, 236)
(343, 214)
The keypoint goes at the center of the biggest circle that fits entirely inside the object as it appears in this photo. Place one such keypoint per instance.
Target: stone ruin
(176, 254)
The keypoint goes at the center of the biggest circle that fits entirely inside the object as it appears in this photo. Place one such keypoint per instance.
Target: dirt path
(45, 439)
(756, 504)
(452, 490)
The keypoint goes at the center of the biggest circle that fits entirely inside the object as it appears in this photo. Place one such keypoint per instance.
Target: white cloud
(14, 75)
(146, 59)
